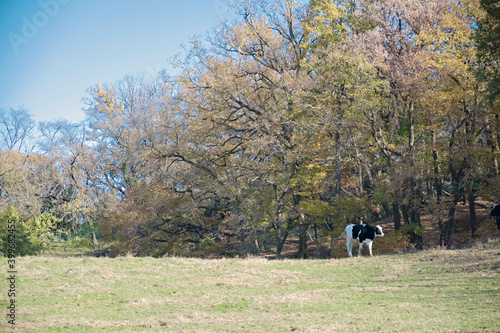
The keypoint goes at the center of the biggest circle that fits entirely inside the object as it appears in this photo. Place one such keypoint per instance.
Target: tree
(291, 117)
(246, 93)
(16, 126)
(461, 112)
(488, 47)
(33, 193)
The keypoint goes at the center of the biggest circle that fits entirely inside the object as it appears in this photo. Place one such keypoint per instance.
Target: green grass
(430, 291)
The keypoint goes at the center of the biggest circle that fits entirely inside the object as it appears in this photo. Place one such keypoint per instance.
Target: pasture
(429, 291)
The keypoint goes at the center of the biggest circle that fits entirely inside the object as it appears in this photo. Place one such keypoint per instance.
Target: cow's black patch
(367, 232)
(361, 232)
(355, 230)
(495, 210)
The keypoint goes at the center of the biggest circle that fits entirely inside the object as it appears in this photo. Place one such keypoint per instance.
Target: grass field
(430, 291)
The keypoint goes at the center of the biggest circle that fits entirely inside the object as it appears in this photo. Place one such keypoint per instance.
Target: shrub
(82, 242)
(40, 230)
(30, 235)
(393, 242)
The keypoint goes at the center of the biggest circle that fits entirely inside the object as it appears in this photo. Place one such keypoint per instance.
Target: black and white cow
(363, 233)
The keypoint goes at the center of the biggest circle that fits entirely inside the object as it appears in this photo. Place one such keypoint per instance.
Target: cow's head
(378, 231)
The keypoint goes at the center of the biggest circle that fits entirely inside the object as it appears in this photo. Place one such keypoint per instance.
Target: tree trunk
(279, 244)
(396, 215)
(302, 254)
(455, 183)
(257, 245)
(437, 178)
(279, 241)
(316, 240)
(387, 210)
(441, 231)
(338, 189)
(360, 172)
(472, 212)
(404, 212)
(447, 230)
(280, 238)
(414, 216)
(416, 234)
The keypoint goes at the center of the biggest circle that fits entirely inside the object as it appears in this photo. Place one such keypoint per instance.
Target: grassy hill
(429, 291)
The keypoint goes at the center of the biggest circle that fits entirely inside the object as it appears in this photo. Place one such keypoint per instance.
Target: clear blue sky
(51, 51)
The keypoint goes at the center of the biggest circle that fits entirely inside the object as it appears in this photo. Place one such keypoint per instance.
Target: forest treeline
(292, 121)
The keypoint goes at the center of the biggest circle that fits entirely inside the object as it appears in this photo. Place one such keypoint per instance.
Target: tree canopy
(295, 118)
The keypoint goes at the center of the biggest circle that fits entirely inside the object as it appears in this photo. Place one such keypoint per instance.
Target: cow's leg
(349, 246)
(360, 247)
(370, 248)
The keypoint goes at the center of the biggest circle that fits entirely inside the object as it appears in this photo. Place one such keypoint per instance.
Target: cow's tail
(340, 236)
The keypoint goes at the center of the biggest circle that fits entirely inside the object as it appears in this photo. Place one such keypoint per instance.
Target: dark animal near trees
(363, 233)
(495, 211)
